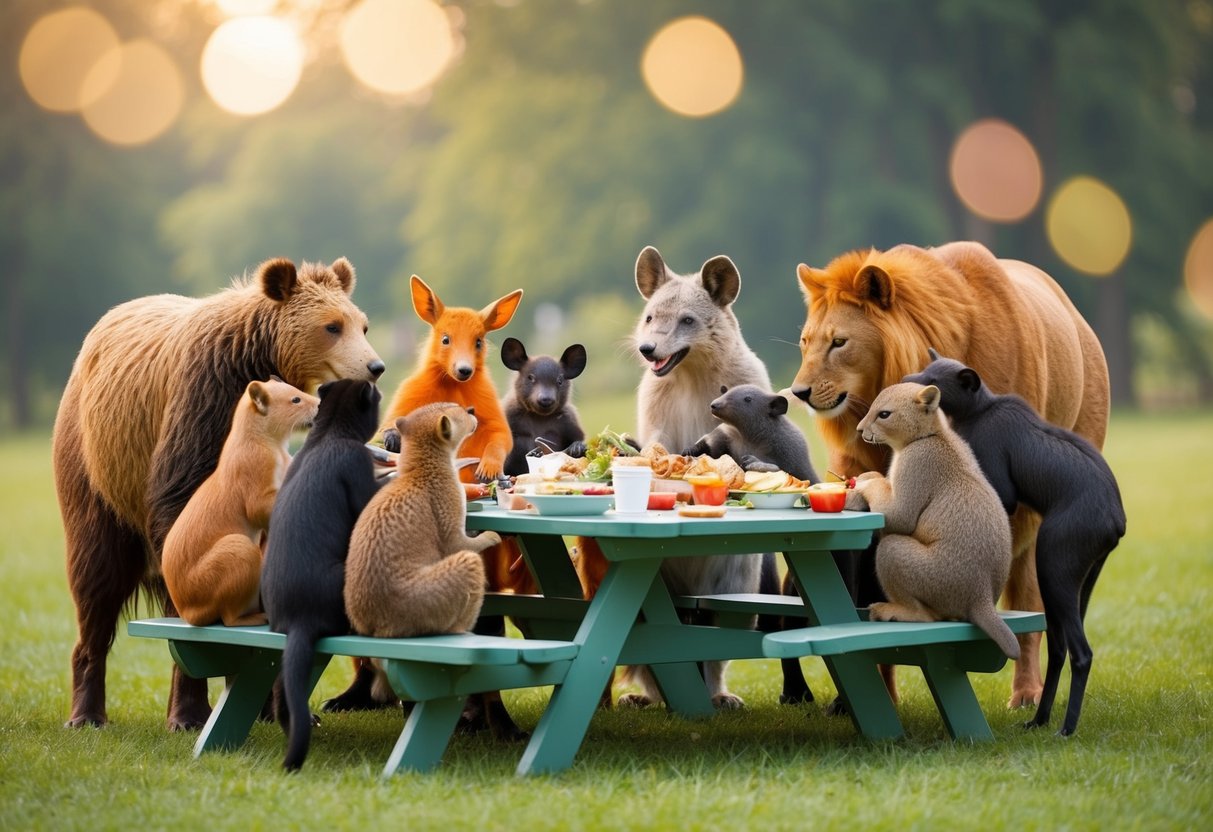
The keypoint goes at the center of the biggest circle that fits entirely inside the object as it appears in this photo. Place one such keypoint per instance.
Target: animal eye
(365, 329)
(687, 320)
(884, 414)
(333, 329)
(747, 399)
(296, 400)
(838, 342)
(648, 319)
(478, 343)
(560, 381)
(530, 379)
(446, 340)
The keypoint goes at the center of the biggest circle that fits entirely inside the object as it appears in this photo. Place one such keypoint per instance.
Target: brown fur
(212, 555)
(412, 569)
(1006, 319)
(946, 548)
(142, 421)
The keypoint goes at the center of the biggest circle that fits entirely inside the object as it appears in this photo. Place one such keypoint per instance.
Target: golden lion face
(841, 361)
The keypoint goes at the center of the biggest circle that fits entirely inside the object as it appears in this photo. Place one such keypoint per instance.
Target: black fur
(328, 484)
(756, 432)
(1065, 479)
(538, 406)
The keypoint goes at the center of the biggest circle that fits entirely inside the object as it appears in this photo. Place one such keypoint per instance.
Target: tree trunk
(1112, 326)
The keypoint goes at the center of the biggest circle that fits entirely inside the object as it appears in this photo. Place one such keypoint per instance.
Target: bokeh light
(237, 8)
(693, 67)
(251, 65)
(1198, 270)
(995, 171)
(144, 98)
(397, 46)
(1089, 226)
(59, 51)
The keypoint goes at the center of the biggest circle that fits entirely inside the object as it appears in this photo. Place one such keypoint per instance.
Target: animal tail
(992, 625)
(296, 676)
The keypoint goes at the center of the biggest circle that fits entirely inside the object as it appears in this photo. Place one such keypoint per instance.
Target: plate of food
(770, 489)
(768, 499)
(570, 504)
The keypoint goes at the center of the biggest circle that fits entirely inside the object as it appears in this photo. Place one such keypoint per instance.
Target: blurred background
(153, 146)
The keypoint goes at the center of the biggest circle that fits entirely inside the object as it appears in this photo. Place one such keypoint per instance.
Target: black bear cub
(538, 405)
(1063, 477)
(326, 487)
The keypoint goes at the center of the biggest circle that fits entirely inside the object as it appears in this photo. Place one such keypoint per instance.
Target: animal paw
(749, 462)
(1024, 698)
(634, 700)
(86, 721)
(728, 702)
(576, 450)
(188, 721)
(488, 539)
(391, 440)
(880, 611)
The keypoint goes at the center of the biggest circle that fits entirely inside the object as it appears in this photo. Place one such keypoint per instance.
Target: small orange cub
(412, 570)
(212, 555)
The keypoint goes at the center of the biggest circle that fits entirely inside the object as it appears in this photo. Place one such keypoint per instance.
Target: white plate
(768, 499)
(567, 505)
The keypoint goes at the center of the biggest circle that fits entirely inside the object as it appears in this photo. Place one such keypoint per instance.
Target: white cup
(632, 484)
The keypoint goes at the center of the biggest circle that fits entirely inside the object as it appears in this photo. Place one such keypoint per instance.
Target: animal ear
(513, 354)
(933, 355)
(260, 397)
(498, 313)
(722, 280)
(928, 397)
(324, 389)
(445, 430)
(723, 389)
(812, 281)
(278, 278)
(779, 405)
(873, 283)
(425, 302)
(401, 423)
(651, 272)
(969, 380)
(573, 360)
(345, 274)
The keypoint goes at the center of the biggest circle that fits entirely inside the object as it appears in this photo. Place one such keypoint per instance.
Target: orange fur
(458, 341)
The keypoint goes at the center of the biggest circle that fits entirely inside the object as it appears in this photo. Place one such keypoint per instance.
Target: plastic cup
(632, 486)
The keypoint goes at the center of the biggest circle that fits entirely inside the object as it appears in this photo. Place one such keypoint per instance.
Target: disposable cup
(632, 485)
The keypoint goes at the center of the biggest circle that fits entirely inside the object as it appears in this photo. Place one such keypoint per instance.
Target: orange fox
(451, 369)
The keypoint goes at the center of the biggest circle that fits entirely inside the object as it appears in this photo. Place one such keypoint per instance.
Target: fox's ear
(498, 313)
(928, 397)
(425, 303)
(721, 279)
(651, 272)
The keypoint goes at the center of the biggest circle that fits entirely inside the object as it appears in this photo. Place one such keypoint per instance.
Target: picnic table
(575, 645)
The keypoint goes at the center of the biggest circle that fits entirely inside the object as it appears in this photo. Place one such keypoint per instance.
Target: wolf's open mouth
(662, 366)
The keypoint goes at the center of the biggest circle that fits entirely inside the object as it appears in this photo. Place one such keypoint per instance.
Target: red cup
(661, 500)
(827, 500)
(710, 495)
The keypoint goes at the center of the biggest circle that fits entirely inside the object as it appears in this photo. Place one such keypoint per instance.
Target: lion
(873, 314)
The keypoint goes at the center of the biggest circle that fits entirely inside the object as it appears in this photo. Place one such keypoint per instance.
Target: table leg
(682, 685)
(954, 696)
(856, 677)
(426, 735)
(604, 630)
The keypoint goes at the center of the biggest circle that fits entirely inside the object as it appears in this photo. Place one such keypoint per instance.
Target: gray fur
(756, 432)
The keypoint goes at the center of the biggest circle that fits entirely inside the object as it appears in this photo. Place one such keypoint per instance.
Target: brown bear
(142, 421)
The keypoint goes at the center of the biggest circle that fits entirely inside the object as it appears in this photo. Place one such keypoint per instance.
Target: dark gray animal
(326, 487)
(1067, 481)
(538, 406)
(756, 432)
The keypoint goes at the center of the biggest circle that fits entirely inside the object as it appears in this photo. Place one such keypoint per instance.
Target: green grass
(1141, 758)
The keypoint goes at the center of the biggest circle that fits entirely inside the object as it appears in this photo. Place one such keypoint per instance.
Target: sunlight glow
(239, 8)
(1198, 270)
(693, 67)
(397, 47)
(143, 100)
(995, 171)
(59, 51)
(251, 65)
(1089, 226)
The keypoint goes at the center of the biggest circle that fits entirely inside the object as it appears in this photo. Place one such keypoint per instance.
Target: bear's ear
(721, 279)
(278, 278)
(324, 389)
(934, 356)
(345, 273)
(573, 360)
(779, 405)
(812, 281)
(928, 397)
(260, 396)
(969, 380)
(445, 429)
(651, 272)
(874, 284)
(425, 302)
(498, 313)
(513, 354)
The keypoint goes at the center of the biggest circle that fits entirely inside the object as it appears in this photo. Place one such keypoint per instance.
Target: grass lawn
(1141, 757)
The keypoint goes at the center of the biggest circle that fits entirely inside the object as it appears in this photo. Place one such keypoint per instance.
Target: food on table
(662, 500)
(702, 511)
(827, 496)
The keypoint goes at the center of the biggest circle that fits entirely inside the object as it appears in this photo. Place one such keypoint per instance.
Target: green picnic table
(575, 645)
